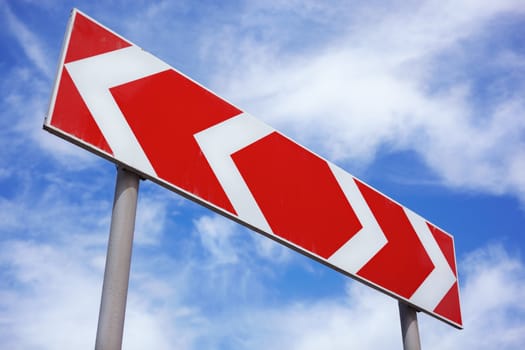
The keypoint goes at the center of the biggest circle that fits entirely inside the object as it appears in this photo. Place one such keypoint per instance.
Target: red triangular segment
(403, 263)
(165, 110)
(446, 244)
(72, 116)
(449, 307)
(90, 39)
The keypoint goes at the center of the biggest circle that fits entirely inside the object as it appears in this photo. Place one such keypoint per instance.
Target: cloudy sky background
(424, 100)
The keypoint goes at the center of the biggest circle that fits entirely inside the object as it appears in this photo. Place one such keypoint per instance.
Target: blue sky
(423, 100)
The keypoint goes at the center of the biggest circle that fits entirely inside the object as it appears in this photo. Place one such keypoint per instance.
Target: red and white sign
(117, 100)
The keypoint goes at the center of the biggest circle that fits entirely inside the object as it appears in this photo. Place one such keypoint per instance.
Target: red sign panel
(115, 99)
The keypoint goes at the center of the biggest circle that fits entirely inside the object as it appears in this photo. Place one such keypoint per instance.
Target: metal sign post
(409, 327)
(118, 261)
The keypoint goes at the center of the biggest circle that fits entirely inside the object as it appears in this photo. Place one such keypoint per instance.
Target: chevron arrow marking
(441, 279)
(355, 253)
(218, 143)
(94, 76)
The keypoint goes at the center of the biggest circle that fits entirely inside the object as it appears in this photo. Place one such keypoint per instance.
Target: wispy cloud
(28, 41)
(493, 304)
(24, 101)
(398, 79)
(229, 243)
(217, 237)
(493, 310)
(60, 285)
(63, 283)
(151, 219)
(368, 78)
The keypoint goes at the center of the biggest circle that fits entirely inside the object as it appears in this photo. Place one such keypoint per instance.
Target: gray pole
(118, 261)
(409, 328)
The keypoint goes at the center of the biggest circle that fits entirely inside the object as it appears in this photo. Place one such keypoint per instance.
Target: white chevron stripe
(438, 283)
(94, 76)
(218, 143)
(355, 253)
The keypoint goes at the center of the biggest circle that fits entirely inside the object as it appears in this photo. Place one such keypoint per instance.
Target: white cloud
(363, 319)
(270, 250)
(151, 219)
(52, 297)
(28, 41)
(25, 94)
(229, 243)
(51, 215)
(493, 313)
(24, 99)
(493, 301)
(52, 253)
(217, 237)
(398, 79)
(50, 292)
(346, 79)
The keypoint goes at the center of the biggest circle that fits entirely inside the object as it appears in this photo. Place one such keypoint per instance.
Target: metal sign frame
(253, 131)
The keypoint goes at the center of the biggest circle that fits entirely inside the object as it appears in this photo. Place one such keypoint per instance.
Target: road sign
(124, 104)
